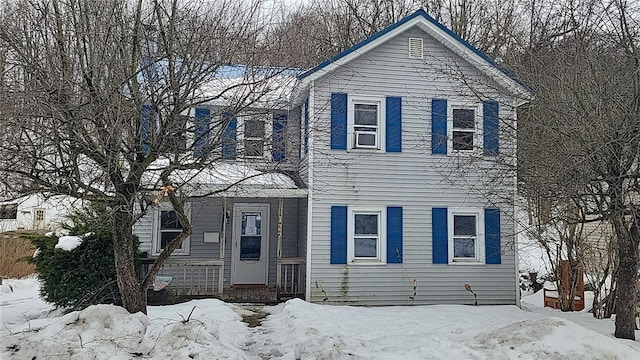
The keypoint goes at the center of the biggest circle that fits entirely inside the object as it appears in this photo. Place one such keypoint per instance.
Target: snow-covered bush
(78, 270)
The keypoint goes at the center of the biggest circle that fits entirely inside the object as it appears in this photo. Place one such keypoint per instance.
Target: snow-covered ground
(299, 330)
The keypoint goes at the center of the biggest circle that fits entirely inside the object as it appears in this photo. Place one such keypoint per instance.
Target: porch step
(251, 294)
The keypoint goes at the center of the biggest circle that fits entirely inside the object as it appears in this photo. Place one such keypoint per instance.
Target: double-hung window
(465, 129)
(366, 122)
(254, 137)
(367, 243)
(168, 227)
(466, 242)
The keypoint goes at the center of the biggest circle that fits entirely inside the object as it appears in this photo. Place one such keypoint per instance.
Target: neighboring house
(34, 212)
(401, 181)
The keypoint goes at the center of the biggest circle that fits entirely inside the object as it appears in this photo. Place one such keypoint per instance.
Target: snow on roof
(219, 176)
(235, 85)
(258, 87)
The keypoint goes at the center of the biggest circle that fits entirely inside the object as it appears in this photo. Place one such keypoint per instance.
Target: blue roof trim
(388, 29)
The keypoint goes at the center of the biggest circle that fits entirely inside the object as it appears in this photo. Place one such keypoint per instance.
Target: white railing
(290, 277)
(193, 276)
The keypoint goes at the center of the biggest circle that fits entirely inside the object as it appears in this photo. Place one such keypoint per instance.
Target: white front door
(250, 247)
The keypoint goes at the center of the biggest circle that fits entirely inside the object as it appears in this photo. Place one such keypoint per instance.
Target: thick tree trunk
(626, 283)
(133, 297)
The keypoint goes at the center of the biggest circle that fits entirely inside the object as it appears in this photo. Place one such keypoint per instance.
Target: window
(177, 140)
(250, 236)
(9, 211)
(254, 137)
(465, 128)
(466, 243)
(39, 215)
(168, 228)
(366, 241)
(365, 121)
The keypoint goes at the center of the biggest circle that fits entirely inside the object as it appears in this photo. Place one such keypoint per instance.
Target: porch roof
(235, 180)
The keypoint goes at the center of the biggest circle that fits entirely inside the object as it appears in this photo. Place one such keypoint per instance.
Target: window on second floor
(465, 135)
(366, 122)
(254, 137)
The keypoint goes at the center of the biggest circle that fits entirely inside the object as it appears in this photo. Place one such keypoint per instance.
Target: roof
(228, 179)
(431, 26)
(241, 85)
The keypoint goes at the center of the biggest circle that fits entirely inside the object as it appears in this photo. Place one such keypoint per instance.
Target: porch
(184, 279)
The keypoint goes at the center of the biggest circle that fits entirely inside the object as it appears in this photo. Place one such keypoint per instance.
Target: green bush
(83, 276)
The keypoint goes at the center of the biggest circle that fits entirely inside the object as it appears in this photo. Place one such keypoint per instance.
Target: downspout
(513, 207)
(280, 229)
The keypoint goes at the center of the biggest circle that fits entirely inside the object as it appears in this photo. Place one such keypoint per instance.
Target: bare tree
(99, 97)
(586, 119)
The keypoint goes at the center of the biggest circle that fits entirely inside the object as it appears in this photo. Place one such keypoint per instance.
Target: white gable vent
(415, 48)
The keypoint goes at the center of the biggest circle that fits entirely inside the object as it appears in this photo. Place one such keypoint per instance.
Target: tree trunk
(133, 297)
(626, 283)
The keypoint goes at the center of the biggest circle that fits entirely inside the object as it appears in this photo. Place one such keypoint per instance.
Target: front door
(250, 247)
(38, 219)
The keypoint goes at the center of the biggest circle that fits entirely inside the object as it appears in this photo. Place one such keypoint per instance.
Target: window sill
(466, 262)
(366, 263)
(364, 150)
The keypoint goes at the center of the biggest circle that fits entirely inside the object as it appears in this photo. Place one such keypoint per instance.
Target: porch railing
(190, 276)
(290, 279)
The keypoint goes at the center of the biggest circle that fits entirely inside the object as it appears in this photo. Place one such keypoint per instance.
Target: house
(34, 212)
(398, 189)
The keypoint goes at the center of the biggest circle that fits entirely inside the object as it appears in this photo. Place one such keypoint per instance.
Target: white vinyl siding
(413, 179)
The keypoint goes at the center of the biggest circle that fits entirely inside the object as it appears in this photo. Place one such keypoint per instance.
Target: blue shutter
(278, 150)
(145, 128)
(201, 134)
(229, 143)
(492, 236)
(438, 126)
(394, 124)
(490, 128)
(440, 246)
(338, 121)
(394, 235)
(306, 125)
(338, 234)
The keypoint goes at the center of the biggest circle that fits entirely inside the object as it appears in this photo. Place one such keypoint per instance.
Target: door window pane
(251, 224)
(250, 247)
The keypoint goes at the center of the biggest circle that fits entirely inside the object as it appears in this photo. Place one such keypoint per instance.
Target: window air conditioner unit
(366, 139)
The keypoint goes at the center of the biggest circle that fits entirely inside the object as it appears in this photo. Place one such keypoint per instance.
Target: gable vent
(415, 48)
